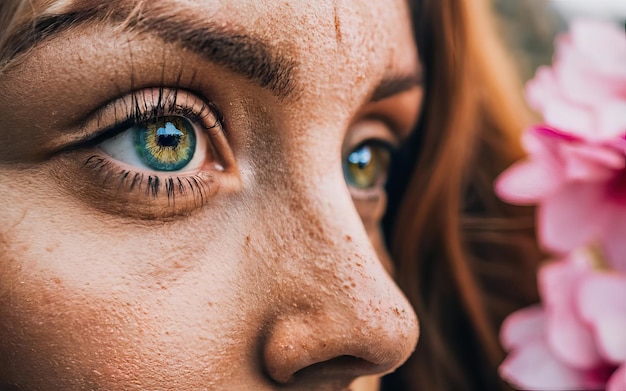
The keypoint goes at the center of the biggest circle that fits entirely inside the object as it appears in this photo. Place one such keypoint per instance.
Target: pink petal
(570, 117)
(611, 118)
(572, 216)
(542, 88)
(617, 382)
(533, 367)
(601, 303)
(522, 326)
(589, 162)
(604, 44)
(612, 239)
(589, 63)
(527, 182)
(567, 336)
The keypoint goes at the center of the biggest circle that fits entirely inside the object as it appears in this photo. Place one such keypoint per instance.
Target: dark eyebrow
(248, 56)
(396, 84)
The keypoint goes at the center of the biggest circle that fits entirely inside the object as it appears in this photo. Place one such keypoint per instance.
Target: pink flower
(577, 340)
(576, 166)
(579, 188)
(584, 93)
(575, 173)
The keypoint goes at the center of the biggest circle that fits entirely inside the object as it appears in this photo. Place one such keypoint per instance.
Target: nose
(345, 318)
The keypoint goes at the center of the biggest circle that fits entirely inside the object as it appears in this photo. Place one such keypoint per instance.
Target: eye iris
(363, 167)
(166, 144)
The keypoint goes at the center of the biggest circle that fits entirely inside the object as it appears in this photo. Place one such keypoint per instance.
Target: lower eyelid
(102, 183)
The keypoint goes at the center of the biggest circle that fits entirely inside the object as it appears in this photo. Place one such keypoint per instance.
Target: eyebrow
(243, 54)
(396, 84)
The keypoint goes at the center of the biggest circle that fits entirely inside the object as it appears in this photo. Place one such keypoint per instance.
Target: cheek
(105, 310)
(371, 211)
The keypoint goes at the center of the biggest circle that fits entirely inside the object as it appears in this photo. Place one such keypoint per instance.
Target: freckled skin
(278, 281)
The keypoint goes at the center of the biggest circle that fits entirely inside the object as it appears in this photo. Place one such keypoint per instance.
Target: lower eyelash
(191, 188)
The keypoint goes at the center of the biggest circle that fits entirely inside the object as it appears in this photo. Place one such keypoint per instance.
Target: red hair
(464, 258)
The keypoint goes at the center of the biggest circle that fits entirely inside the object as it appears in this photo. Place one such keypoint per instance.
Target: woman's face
(191, 191)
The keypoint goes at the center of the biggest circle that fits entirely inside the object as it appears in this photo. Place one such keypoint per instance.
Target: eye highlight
(366, 165)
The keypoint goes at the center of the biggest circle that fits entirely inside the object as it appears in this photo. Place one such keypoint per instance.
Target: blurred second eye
(366, 166)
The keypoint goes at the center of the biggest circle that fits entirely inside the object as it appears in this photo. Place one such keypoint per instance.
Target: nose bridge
(343, 303)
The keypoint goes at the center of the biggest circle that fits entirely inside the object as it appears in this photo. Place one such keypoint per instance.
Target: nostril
(338, 367)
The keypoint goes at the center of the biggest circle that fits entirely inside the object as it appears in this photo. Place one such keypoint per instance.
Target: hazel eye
(367, 165)
(167, 144)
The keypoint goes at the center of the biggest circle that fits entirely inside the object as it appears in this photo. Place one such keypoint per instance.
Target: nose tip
(374, 334)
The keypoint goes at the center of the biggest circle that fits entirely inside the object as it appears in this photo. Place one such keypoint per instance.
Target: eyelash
(110, 175)
(193, 184)
(134, 115)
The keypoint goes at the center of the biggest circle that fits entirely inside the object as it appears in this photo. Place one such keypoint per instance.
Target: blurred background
(530, 26)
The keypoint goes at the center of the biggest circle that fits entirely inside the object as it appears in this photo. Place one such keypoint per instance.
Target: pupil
(169, 136)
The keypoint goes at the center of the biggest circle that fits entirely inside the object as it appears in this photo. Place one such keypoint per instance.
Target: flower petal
(527, 182)
(613, 240)
(589, 162)
(617, 381)
(533, 367)
(611, 118)
(522, 326)
(567, 336)
(573, 216)
(542, 88)
(571, 118)
(601, 301)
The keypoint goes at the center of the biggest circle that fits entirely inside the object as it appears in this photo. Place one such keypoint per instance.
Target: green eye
(366, 166)
(165, 144)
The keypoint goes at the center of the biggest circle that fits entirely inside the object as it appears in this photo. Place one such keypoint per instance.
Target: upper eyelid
(139, 106)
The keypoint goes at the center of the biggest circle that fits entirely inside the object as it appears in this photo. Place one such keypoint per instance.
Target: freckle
(358, 264)
(247, 239)
(337, 27)
(56, 280)
(353, 285)
(396, 311)
(348, 238)
(177, 265)
(210, 304)
(346, 287)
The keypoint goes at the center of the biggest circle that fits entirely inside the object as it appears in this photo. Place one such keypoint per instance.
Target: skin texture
(270, 273)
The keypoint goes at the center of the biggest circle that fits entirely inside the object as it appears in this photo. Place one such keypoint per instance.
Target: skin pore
(258, 265)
